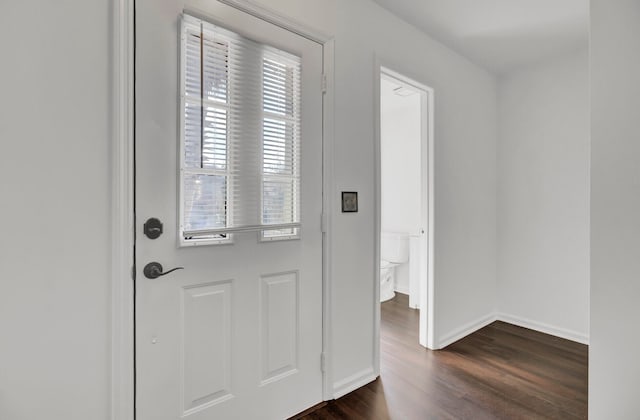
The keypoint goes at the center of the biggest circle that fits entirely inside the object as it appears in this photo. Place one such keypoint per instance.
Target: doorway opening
(405, 199)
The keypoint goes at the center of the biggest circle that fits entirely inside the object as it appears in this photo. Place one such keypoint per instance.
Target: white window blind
(240, 142)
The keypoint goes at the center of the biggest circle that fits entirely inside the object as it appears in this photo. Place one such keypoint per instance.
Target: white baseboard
(544, 328)
(353, 382)
(465, 330)
(402, 289)
(367, 375)
(471, 327)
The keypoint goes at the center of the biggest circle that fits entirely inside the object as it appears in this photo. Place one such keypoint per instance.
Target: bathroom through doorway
(405, 197)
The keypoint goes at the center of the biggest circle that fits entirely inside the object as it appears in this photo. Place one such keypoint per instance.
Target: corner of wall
(465, 330)
(543, 328)
(353, 382)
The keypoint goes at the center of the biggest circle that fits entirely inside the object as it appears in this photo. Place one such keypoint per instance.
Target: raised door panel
(206, 345)
(279, 326)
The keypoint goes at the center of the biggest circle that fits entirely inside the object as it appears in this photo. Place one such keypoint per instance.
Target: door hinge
(323, 363)
(133, 272)
(323, 83)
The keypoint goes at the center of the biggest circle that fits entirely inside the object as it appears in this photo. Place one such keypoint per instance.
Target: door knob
(153, 270)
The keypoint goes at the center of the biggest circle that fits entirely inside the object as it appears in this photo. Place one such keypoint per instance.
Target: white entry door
(229, 161)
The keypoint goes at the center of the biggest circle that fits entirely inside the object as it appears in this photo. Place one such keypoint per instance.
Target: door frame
(427, 293)
(122, 212)
(123, 223)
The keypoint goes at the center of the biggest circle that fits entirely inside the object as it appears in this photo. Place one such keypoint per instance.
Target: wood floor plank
(499, 372)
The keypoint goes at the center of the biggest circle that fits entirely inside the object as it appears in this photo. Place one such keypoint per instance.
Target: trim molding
(473, 326)
(402, 290)
(353, 382)
(377, 212)
(427, 298)
(465, 330)
(328, 142)
(278, 19)
(122, 219)
(544, 328)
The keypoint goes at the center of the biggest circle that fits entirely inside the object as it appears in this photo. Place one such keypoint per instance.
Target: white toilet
(394, 250)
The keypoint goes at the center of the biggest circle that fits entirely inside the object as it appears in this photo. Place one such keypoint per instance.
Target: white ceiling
(500, 35)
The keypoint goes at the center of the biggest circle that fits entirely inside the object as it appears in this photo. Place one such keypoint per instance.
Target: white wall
(400, 161)
(400, 189)
(543, 196)
(465, 174)
(614, 365)
(54, 294)
(54, 218)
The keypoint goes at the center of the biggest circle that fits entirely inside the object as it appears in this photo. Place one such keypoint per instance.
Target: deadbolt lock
(153, 228)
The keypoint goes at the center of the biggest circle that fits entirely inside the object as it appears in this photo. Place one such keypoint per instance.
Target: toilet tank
(394, 247)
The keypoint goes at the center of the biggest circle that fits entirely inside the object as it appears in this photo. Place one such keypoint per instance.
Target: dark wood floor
(499, 372)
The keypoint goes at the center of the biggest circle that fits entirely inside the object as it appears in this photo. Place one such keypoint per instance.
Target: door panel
(238, 332)
(279, 326)
(206, 344)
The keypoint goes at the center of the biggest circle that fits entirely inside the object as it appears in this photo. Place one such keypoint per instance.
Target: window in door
(240, 137)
